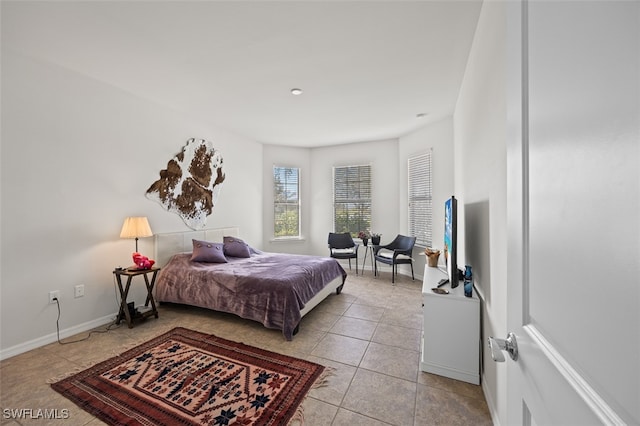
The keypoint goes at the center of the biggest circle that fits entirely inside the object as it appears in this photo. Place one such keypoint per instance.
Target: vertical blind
(352, 199)
(286, 202)
(420, 199)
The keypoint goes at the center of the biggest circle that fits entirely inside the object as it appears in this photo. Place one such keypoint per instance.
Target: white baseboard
(53, 337)
(490, 403)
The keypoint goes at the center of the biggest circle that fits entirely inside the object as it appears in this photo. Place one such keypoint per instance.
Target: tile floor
(369, 334)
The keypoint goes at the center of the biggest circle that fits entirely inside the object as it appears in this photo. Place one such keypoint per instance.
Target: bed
(274, 289)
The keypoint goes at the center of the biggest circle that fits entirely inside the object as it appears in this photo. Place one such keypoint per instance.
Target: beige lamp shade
(136, 227)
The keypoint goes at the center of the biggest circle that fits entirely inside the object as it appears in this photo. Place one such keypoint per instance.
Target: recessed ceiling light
(296, 92)
(421, 115)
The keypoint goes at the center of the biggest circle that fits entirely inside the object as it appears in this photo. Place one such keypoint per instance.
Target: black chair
(397, 252)
(342, 246)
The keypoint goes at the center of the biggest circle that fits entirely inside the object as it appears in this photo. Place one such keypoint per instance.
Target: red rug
(184, 377)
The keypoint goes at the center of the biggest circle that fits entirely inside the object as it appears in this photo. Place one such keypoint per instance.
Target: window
(352, 199)
(420, 199)
(286, 202)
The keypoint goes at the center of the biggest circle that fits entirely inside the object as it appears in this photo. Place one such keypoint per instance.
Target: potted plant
(375, 238)
(364, 236)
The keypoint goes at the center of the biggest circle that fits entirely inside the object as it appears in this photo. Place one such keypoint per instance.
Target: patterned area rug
(190, 378)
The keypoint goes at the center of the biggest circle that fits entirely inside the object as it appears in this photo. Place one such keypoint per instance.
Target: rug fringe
(321, 381)
(298, 417)
(76, 370)
(85, 365)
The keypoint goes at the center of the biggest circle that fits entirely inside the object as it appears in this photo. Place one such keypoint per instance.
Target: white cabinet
(451, 330)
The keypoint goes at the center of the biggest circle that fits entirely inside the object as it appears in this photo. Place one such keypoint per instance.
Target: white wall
(480, 184)
(388, 159)
(383, 157)
(77, 158)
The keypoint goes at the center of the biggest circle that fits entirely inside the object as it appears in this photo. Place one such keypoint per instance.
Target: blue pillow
(204, 251)
(235, 247)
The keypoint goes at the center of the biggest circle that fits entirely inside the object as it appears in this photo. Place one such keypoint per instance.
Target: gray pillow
(235, 247)
(205, 251)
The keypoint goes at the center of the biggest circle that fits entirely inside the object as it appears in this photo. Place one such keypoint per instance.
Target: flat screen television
(451, 239)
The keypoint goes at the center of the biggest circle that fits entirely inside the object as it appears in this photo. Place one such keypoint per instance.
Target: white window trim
(287, 237)
(370, 199)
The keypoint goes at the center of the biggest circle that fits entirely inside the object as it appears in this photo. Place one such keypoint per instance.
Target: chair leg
(412, 278)
(393, 273)
(350, 266)
(356, 266)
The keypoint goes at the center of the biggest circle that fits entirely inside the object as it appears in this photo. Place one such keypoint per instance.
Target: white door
(574, 212)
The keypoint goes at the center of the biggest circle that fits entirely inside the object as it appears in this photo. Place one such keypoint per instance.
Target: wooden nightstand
(124, 291)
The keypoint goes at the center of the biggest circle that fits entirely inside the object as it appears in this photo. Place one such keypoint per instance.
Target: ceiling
(366, 68)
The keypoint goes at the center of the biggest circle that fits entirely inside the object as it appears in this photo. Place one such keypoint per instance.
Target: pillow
(343, 251)
(235, 247)
(204, 251)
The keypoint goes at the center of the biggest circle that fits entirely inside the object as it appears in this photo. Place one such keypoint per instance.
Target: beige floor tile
(393, 335)
(375, 297)
(451, 385)
(336, 304)
(438, 407)
(319, 320)
(304, 342)
(402, 318)
(346, 350)
(354, 327)
(369, 329)
(317, 412)
(337, 381)
(392, 361)
(349, 418)
(95, 422)
(370, 313)
(382, 397)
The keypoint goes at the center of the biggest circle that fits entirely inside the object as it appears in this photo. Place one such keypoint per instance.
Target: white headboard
(166, 245)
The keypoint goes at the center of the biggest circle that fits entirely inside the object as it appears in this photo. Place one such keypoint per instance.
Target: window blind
(286, 202)
(352, 199)
(420, 199)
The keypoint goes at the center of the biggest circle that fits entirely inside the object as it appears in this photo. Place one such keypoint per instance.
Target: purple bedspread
(270, 288)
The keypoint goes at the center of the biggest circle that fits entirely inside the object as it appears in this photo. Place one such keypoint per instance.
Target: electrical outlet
(54, 295)
(79, 291)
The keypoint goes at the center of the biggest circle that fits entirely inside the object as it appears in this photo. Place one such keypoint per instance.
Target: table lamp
(136, 227)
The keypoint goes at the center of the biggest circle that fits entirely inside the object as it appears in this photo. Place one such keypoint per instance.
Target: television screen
(451, 239)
